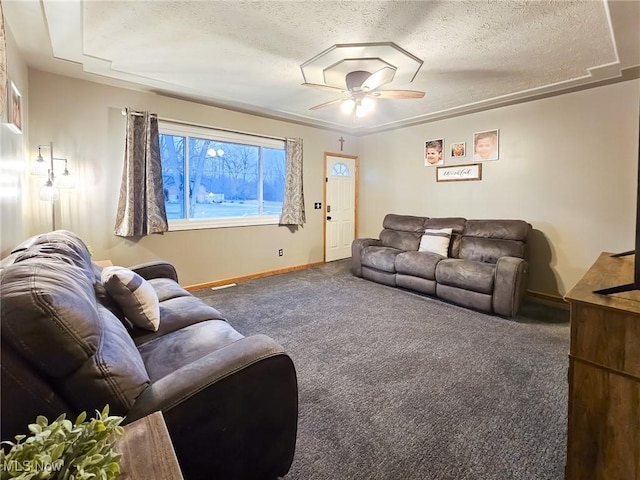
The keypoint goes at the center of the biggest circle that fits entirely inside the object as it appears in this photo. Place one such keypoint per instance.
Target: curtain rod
(190, 124)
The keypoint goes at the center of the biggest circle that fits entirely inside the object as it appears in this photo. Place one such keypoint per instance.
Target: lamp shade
(66, 180)
(39, 167)
(49, 193)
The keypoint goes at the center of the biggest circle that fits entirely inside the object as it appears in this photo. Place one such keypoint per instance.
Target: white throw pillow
(135, 296)
(436, 241)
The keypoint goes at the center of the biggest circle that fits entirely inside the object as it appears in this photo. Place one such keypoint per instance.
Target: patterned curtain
(293, 202)
(141, 208)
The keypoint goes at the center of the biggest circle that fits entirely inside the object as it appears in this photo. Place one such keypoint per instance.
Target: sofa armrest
(231, 414)
(510, 284)
(356, 253)
(156, 269)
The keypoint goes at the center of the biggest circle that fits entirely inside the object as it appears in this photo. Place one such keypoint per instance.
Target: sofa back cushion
(404, 223)
(402, 232)
(488, 240)
(51, 319)
(24, 395)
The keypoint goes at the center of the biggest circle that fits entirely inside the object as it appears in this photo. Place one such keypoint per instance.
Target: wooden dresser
(604, 375)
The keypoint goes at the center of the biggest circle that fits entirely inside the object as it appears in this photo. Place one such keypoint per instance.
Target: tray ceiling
(247, 56)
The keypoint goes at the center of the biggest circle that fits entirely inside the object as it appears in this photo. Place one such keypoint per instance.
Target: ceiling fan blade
(326, 88)
(379, 78)
(326, 104)
(397, 94)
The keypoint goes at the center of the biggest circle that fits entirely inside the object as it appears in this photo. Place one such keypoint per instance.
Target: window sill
(177, 225)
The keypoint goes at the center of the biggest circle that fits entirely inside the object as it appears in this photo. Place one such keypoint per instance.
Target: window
(214, 178)
(340, 170)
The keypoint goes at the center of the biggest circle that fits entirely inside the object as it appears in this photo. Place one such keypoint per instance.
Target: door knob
(328, 217)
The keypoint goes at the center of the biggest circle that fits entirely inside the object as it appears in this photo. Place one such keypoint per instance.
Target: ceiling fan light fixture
(347, 106)
(369, 104)
(364, 107)
(366, 75)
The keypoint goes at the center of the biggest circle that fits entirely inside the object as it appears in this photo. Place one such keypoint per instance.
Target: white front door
(341, 173)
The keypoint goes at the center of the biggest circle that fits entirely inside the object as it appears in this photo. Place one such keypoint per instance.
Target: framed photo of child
(14, 108)
(433, 154)
(485, 146)
(458, 149)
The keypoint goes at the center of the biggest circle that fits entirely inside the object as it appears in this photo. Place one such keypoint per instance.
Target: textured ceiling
(247, 55)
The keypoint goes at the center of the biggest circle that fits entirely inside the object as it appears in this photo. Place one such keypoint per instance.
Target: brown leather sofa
(484, 266)
(230, 402)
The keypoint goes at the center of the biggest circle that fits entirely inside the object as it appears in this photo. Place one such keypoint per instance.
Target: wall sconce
(50, 190)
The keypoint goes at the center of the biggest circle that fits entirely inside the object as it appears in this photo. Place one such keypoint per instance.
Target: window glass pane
(274, 170)
(224, 184)
(340, 170)
(172, 153)
(220, 177)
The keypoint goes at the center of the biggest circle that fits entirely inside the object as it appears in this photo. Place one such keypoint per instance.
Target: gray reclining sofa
(484, 266)
(230, 402)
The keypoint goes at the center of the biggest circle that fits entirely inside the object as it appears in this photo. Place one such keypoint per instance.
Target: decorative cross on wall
(341, 140)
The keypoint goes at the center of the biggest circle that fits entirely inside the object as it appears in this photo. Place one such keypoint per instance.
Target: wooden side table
(147, 452)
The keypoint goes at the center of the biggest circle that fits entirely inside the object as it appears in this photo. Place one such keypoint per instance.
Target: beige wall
(85, 122)
(13, 147)
(567, 165)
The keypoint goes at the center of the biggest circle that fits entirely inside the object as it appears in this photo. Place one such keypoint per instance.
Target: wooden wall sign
(458, 173)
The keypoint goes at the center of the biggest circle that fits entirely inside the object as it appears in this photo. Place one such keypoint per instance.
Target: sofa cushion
(380, 258)
(435, 241)
(51, 318)
(404, 223)
(456, 224)
(466, 298)
(385, 278)
(407, 241)
(489, 250)
(61, 245)
(488, 240)
(166, 289)
(170, 352)
(504, 229)
(466, 274)
(178, 309)
(418, 264)
(417, 284)
(402, 231)
(49, 315)
(115, 374)
(135, 296)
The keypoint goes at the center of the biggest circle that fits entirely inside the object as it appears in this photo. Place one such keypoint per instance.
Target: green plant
(62, 450)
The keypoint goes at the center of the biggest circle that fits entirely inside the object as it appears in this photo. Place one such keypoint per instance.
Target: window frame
(210, 133)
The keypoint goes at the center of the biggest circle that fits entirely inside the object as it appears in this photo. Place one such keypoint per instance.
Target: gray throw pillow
(135, 296)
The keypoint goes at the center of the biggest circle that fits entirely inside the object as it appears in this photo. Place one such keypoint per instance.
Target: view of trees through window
(225, 179)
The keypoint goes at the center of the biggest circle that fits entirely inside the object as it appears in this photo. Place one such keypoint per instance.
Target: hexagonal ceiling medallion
(332, 66)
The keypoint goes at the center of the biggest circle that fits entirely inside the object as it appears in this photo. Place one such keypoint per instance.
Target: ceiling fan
(362, 88)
